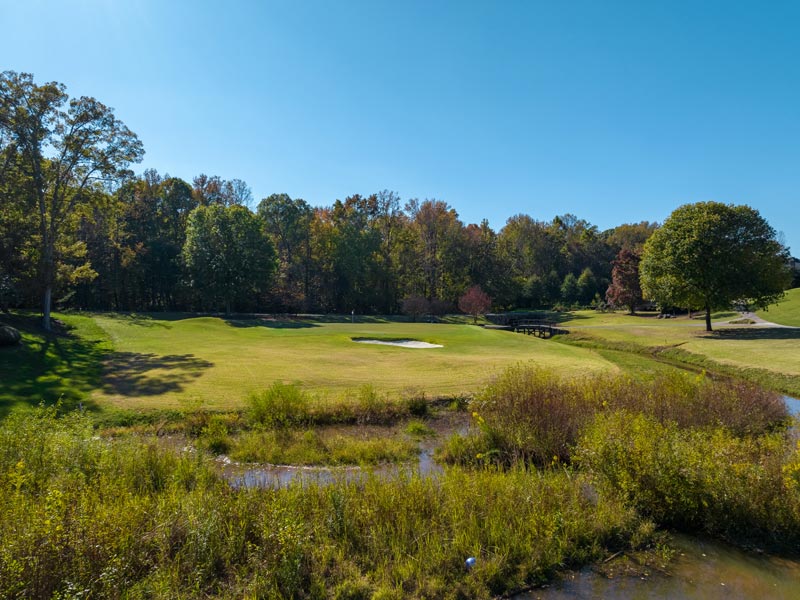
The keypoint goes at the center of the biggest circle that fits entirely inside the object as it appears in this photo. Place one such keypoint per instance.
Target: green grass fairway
(771, 350)
(217, 362)
(786, 312)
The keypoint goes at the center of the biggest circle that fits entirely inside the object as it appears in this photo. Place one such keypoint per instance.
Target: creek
(701, 569)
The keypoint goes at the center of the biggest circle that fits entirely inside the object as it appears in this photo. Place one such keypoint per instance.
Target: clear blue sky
(613, 111)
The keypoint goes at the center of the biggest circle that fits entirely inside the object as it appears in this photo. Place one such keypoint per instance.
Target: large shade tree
(709, 254)
(66, 150)
(229, 259)
(287, 222)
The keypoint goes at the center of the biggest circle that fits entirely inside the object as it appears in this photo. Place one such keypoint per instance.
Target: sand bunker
(401, 343)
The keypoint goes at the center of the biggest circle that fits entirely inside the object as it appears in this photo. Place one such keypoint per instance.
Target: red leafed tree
(475, 302)
(625, 289)
(415, 306)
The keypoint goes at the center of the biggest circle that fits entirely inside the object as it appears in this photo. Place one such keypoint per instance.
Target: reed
(82, 516)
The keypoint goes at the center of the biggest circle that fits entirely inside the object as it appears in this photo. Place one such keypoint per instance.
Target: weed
(214, 436)
(533, 416)
(281, 405)
(697, 479)
(417, 405)
(85, 516)
(418, 429)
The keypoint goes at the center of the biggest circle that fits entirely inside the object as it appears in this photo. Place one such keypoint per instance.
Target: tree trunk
(708, 318)
(48, 297)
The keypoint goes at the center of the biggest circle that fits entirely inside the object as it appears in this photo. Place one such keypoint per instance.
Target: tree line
(79, 228)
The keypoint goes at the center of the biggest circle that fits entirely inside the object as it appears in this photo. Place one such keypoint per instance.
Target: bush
(83, 516)
(417, 405)
(214, 436)
(710, 480)
(533, 416)
(282, 405)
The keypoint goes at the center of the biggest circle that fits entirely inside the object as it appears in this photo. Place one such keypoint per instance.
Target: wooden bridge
(542, 329)
(525, 323)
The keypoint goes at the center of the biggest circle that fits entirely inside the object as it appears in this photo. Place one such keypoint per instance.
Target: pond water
(443, 424)
(793, 404)
(272, 476)
(701, 569)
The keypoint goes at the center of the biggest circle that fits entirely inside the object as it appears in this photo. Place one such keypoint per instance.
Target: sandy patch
(400, 343)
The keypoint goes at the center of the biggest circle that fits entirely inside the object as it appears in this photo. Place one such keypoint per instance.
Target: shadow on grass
(129, 373)
(336, 318)
(270, 323)
(755, 333)
(146, 320)
(49, 367)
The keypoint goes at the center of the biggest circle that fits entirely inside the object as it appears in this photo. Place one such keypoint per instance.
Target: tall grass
(741, 488)
(311, 447)
(288, 405)
(85, 517)
(534, 416)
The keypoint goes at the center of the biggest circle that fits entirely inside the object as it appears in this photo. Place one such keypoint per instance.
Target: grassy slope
(63, 366)
(743, 347)
(787, 312)
(160, 364)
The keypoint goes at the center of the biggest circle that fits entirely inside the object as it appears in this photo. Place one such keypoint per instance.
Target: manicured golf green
(217, 363)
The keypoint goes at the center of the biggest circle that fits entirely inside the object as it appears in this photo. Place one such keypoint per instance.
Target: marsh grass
(744, 489)
(418, 429)
(288, 405)
(319, 447)
(82, 516)
(531, 415)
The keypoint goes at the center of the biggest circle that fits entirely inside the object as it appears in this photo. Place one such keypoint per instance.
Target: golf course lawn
(217, 363)
(786, 312)
(742, 346)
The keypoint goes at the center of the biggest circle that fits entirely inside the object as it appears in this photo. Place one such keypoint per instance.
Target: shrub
(534, 416)
(697, 479)
(214, 436)
(531, 415)
(417, 405)
(281, 405)
(372, 408)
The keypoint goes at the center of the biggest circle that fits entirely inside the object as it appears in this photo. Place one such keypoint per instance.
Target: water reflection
(274, 476)
(702, 569)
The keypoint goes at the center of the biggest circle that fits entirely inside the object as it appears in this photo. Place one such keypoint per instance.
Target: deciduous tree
(64, 155)
(625, 289)
(229, 258)
(475, 302)
(711, 254)
(415, 306)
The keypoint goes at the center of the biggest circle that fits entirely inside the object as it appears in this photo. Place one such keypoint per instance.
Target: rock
(9, 336)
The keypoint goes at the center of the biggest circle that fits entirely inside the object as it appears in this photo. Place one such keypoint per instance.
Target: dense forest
(159, 243)
(78, 229)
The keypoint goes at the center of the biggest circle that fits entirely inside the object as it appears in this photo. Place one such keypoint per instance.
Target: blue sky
(614, 111)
